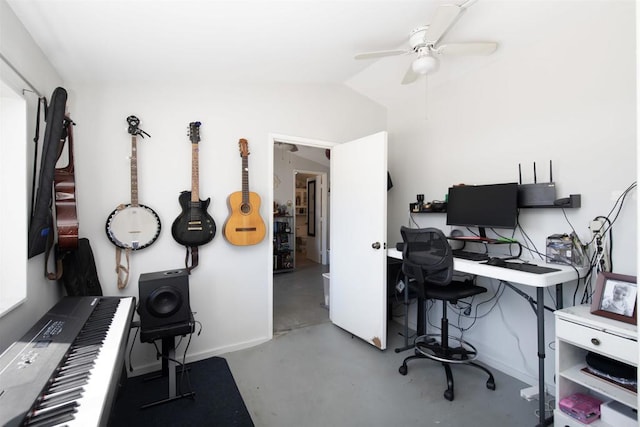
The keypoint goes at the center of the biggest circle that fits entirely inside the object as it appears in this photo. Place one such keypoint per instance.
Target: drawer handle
(595, 341)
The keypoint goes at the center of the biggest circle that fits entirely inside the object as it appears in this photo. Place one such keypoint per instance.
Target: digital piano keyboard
(66, 369)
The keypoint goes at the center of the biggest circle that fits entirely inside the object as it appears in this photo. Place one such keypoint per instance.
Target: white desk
(539, 281)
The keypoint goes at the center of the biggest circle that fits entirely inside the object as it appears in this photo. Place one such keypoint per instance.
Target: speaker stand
(169, 368)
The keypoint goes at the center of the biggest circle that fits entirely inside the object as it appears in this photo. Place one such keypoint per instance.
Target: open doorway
(300, 173)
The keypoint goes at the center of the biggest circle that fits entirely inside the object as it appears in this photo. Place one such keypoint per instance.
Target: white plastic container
(326, 283)
(616, 414)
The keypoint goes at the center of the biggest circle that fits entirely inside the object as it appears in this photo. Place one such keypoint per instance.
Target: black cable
(564, 212)
(182, 371)
(131, 348)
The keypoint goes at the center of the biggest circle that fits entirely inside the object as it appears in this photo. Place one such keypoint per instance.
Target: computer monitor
(483, 206)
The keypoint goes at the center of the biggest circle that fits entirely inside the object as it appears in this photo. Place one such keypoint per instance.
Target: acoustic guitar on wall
(65, 195)
(244, 226)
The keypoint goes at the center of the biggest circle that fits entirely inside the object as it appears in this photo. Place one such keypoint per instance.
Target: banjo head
(133, 227)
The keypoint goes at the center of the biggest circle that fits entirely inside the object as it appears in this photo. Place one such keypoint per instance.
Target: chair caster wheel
(491, 385)
(448, 394)
(403, 369)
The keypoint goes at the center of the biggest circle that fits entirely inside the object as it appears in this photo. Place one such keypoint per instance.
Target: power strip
(597, 227)
(529, 393)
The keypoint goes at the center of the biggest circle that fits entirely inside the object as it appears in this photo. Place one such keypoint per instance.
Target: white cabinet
(578, 332)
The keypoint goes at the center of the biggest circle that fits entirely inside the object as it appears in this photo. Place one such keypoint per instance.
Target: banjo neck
(134, 171)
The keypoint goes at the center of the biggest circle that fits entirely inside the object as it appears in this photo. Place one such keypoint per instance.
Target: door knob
(375, 245)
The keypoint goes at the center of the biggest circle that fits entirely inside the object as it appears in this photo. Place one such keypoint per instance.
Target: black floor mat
(217, 401)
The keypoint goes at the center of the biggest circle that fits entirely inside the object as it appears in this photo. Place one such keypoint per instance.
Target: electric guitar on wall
(244, 226)
(194, 226)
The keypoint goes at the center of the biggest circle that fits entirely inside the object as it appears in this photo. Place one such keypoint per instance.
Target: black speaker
(164, 304)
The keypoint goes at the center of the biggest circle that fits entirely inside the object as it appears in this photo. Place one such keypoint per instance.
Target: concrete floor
(298, 297)
(315, 374)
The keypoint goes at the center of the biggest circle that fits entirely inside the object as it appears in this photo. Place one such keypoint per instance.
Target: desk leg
(421, 317)
(541, 356)
(559, 302)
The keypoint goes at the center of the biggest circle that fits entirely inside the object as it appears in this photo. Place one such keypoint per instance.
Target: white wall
(231, 287)
(19, 49)
(561, 87)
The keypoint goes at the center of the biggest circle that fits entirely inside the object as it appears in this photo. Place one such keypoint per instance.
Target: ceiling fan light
(424, 64)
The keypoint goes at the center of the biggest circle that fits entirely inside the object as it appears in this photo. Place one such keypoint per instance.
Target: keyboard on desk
(471, 256)
(529, 268)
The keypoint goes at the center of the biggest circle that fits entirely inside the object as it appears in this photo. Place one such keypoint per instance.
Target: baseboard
(195, 357)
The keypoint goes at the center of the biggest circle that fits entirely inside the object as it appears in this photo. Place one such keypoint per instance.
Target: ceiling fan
(424, 42)
(287, 146)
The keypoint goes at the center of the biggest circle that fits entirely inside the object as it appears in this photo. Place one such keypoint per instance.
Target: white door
(358, 272)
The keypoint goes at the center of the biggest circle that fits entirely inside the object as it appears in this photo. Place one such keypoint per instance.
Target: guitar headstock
(133, 127)
(194, 132)
(244, 147)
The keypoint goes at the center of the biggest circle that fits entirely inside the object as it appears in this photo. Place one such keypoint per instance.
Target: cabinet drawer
(599, 341)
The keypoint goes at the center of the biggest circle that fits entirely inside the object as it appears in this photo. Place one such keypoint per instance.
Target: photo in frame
(615, 297)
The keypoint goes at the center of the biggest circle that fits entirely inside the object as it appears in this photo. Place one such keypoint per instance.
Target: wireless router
(536, 194)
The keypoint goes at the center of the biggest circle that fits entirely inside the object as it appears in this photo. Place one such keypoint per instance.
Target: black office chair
(427, 263)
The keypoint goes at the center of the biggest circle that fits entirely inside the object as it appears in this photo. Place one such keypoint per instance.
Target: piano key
(95, 403)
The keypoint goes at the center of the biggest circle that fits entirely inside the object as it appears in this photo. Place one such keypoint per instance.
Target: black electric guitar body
(194, 226)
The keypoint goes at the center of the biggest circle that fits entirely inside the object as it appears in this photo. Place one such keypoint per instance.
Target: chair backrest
(426, 256)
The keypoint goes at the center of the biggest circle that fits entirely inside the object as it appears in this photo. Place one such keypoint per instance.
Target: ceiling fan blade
(471, 48)
(380, 54)
(410, 76)
(443, 19)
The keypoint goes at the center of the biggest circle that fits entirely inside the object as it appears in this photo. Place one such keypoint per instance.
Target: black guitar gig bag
(41, 222)
(79, 275)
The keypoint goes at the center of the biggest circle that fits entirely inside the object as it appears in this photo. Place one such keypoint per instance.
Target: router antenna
(519, 174)
(550, 171)
(535, 178)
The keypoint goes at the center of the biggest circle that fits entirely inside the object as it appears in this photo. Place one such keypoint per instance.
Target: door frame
(308, 142)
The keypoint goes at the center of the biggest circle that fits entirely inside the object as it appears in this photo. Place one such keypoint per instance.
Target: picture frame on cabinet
(615, 297)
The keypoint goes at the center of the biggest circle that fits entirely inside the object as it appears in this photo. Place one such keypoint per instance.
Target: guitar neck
(134, 171)
(195, 196)
(245, 179)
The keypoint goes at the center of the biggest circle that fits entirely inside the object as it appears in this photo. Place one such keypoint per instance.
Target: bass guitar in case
(194, 226)
(244, 226)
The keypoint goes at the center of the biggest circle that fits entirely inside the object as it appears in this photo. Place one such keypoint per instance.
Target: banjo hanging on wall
(134, 226)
